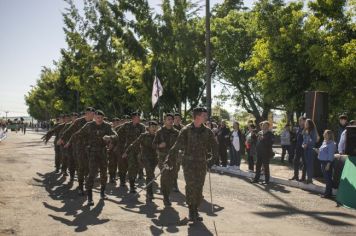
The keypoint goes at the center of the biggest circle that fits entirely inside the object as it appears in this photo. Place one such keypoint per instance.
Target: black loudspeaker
(350, 148)
(316, 109)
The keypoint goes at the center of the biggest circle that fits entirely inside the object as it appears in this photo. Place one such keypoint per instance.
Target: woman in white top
(236, 146)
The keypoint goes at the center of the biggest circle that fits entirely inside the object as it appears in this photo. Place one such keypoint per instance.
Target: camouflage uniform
(147, 157)
(115, 159)
(197, 144)
(126, 134)
(179, 162)
(66, 152)
(79, 150)
(57, 150)
(96, 146)
(168, 136)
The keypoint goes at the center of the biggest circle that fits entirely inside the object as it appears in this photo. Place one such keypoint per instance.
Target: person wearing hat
(200, 149)
(128, 133)
(164, 140)
(78, 146)
(94, 132)
(57, 150)
(148, 155)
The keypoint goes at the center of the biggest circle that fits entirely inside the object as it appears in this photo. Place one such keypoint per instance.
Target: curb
(290, 183)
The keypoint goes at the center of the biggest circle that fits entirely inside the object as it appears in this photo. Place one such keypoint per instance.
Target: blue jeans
(235, 156)
(328, 177)
(309, 159)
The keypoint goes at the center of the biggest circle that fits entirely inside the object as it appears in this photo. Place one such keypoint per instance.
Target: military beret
(136, 113)
(99, 113)
(115, 119)
(74, 114)
(169, 114)
(152, 122)
(90, 109)
(200, 109)
(177, 114)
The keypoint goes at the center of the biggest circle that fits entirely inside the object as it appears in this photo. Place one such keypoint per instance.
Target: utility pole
(6, 115)
(207, 55)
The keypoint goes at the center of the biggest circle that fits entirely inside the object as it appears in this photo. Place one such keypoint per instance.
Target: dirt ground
(36, 201)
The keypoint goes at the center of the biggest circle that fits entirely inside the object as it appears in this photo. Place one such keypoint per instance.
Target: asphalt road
(36, 201)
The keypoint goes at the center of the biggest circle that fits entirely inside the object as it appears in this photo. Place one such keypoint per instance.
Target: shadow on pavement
(72, 203)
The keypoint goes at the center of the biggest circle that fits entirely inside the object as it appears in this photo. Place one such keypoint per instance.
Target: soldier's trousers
(150, 164)
(72, 166)
(83, 166)
(123, 165)
(167, 176)
(194, 175)
(64, 158)
(57, 156)
(133, 165)
(97, 161)
(113, 159)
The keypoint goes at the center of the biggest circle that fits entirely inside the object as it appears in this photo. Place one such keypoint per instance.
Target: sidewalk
(280, 174)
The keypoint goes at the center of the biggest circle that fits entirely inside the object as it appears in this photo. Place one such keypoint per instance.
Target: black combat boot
(102, 193)
(90, 198)
(166, 200)
(122, 180)
(132, 186)
(197, 216)
(191, 214)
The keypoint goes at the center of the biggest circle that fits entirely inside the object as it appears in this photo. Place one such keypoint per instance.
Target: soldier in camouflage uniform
(94, 132)
(197, 143)
(64, 155)
(164, 140)
(178, 126)
(57, 150)
(117, 149)
(78, 146)
(113, 156)
(67, 153)
(148, 157)
(126, 134)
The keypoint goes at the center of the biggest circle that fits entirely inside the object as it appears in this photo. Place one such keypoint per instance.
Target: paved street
(36, 201)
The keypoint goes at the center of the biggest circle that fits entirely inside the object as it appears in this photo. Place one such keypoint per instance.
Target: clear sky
(31, 37)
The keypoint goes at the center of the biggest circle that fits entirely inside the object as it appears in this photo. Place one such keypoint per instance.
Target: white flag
(157, 91)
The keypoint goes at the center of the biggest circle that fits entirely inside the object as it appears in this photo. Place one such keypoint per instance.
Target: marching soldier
(78, 146)
(113, 156)
(57, 150)
(126, 134)
(95, 131)
(164, 140)
(178, 126)
(148, 157)
(197, 143)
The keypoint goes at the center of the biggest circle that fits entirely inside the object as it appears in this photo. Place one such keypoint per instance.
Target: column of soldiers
(88, 144)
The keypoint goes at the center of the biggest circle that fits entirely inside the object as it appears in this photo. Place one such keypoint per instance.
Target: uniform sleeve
(179, 144)
(157, 139)
(135, 145)
(84, 131)
(70, 131)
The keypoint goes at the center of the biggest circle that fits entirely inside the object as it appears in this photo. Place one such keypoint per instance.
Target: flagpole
(159, 109)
